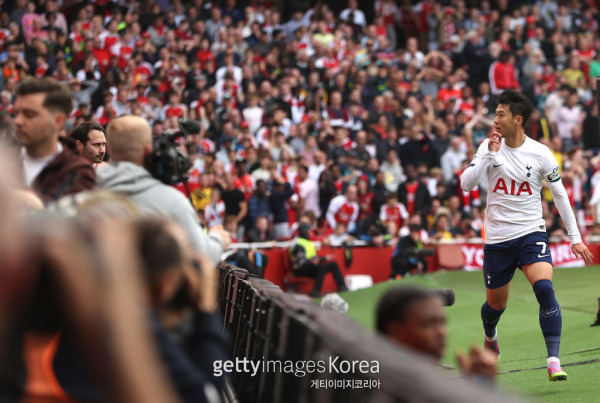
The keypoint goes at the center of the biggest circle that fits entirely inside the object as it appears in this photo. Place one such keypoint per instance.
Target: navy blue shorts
(500, 260)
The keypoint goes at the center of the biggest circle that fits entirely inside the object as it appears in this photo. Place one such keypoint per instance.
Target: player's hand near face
(495, 140)
(582, 252)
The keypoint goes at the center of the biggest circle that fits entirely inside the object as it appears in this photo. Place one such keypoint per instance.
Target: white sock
(491, 339)
(553, 359)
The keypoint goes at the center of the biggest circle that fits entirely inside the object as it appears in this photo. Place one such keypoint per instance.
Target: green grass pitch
(521, 343)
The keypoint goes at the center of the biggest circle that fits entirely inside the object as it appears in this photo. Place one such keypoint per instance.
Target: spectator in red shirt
(344, 208)
(414, 194)
(204, 54)
(392, 211)
(449, 91)
(101, 54)
(243, 180)
(502, 75)
(366, 198)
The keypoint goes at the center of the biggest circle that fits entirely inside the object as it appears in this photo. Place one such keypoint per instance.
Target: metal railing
(282, 333)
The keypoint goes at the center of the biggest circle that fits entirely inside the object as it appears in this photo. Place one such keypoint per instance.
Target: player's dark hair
(58, 96)
(396, 302)
(518, 104)
(82, 132)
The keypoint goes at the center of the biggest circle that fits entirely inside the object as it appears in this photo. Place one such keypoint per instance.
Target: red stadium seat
(298, 284)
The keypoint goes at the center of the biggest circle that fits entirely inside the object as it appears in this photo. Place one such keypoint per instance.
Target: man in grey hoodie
(129, 139)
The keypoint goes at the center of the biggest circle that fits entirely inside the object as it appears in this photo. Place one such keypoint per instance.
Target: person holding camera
(129, 139)
(408, 255)
(182, 284)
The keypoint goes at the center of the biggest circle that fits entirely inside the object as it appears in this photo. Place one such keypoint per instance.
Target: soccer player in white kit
(515, 233)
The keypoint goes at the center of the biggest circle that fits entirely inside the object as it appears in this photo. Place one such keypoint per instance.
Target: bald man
(129, 140)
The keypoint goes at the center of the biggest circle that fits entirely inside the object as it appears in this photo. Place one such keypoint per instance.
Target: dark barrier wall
(285, 336)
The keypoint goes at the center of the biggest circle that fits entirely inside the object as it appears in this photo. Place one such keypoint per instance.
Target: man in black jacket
(380, 192)
(254, 261)
(280, 192)
(406, 257)
(258, 204)
(591, 127)
(417, 149)
(260, 231)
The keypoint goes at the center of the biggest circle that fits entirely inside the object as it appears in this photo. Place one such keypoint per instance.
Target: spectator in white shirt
(228, 65)
(392, 171)
(569, 116)
(452, 159)
(253, 113)
(308, 192)
(358, 17)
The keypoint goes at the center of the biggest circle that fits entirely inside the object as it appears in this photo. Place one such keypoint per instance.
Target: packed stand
(333, 126)
(360, 120)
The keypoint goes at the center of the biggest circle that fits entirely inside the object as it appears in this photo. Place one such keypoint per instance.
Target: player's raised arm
(486, 154)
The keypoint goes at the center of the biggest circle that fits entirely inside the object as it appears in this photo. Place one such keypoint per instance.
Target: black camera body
(167, 162)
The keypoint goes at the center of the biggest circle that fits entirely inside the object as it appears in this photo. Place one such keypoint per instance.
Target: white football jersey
(515, 177)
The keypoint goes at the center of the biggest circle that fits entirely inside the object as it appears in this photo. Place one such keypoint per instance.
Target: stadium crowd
(338, 124)
(360, 123)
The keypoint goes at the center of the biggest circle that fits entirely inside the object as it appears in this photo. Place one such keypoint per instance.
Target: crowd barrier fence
(282, 333)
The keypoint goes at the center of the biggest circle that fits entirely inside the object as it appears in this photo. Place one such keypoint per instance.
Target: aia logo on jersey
(512, 188)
